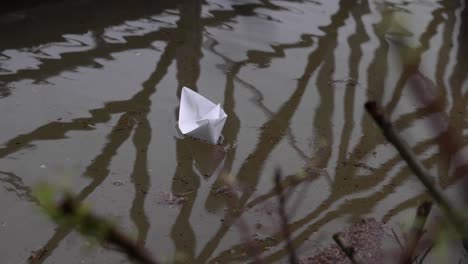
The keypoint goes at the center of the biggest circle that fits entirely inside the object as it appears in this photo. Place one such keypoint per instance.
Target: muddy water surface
(89, 99)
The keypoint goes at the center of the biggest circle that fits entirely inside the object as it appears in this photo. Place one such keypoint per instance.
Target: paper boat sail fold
(199, 117)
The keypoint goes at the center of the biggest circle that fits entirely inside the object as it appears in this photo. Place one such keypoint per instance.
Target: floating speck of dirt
(117, 183)
(171, 200)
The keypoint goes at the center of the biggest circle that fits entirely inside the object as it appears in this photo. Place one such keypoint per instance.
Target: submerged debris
(364, 237)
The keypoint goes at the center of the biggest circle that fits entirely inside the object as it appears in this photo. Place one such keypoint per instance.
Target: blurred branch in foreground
(68, 212)
(421, 173)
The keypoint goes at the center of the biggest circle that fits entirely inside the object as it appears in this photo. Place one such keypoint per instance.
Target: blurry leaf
(45, 196)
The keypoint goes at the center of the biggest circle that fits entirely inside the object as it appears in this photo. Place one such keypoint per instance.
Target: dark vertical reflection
(140, 176)
(378, 66)
(230, 131)
(185, 181)
(141, 141)
(457, 113)
(463, 37)
(355, 41)
(189, 41)
(441, 71)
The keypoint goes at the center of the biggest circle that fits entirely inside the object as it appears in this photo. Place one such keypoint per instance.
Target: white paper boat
(199, 117)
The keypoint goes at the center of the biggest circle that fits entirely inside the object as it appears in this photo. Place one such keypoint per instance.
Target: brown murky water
(90, 91)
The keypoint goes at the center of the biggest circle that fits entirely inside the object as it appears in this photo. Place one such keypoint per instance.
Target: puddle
(100, 85)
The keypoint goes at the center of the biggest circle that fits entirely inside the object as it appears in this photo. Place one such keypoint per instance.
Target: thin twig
(349, 251)
(421, 173)
(398, 240)
(416, 231)
(284, 217)
(69, 208)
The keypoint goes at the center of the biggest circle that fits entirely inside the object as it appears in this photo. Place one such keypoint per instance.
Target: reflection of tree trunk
(141, 141)
(462, 62)
(230, 133)
(189, 40)
(140, 176)
(185, 181)
(351, 100)
(464, 25)
(453, 139)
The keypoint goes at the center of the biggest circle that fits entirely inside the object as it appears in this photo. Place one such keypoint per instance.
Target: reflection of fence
(184, 46)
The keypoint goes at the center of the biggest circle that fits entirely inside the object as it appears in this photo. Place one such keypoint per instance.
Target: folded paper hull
(199, 117)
